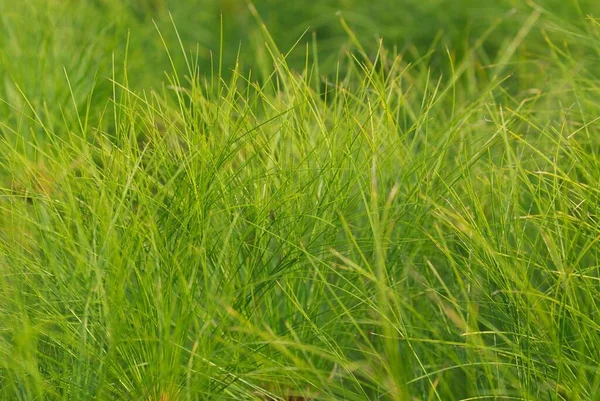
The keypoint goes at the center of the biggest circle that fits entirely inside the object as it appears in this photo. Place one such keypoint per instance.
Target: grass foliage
(246, 208)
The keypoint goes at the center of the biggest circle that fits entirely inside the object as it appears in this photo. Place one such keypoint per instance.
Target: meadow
(299, 201)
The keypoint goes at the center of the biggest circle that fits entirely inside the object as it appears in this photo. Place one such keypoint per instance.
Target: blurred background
(43, 40)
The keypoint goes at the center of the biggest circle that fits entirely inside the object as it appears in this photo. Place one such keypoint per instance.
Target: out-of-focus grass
(193, 209)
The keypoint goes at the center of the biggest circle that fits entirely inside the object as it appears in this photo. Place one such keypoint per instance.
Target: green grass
(193, 209)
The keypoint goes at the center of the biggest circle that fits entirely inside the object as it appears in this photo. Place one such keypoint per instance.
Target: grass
(316, 216)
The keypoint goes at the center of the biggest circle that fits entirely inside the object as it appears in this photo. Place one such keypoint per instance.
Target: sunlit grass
(403, 224)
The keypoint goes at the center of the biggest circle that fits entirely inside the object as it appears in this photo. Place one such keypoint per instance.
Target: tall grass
(401, 224)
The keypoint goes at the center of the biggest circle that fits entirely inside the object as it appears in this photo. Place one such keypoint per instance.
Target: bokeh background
(41, 39)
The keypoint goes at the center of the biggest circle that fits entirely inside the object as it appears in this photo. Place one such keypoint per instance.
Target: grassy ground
(193, 209)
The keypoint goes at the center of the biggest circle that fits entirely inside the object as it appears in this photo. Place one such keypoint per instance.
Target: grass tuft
(318, 214)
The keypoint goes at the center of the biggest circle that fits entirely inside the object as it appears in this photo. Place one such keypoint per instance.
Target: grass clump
(402, 224)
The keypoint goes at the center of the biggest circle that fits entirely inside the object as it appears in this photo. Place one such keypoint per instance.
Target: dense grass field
(291, 200)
